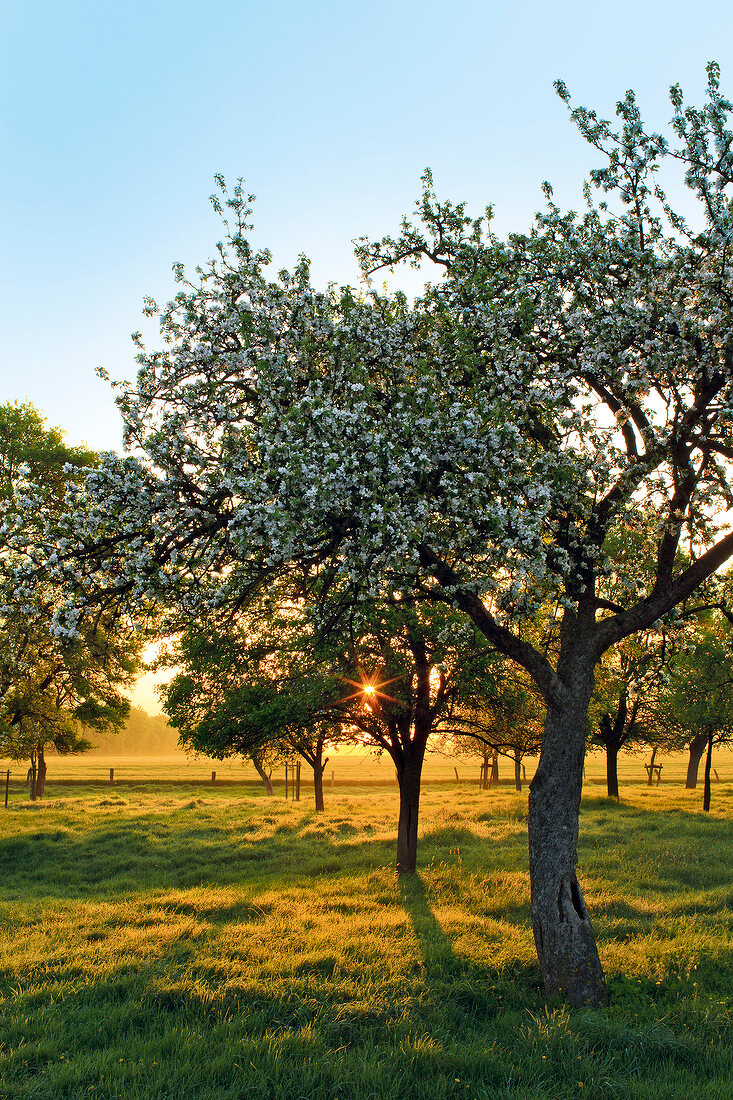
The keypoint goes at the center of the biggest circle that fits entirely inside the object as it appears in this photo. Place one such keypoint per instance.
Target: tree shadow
(438, 957)
(160, 852)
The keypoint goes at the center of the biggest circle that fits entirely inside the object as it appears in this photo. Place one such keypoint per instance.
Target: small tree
(697, 705)
(622, 711)
(254, 685)
(508, 722)
(387, 675)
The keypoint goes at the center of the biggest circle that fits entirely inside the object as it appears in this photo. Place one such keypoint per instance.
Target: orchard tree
(622, 712)
(696, 706)
(506, 720)
(284, 676)
(480, 446)
(254, 687)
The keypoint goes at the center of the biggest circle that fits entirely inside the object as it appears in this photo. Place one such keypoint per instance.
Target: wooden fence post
(297, 782)
(213, 777)
(7, 787)
(111, 775)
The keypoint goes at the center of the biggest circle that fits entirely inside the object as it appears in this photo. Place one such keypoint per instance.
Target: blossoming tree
(479, 446)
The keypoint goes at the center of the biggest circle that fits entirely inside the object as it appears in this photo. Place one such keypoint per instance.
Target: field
(352, 769)
(178, 939)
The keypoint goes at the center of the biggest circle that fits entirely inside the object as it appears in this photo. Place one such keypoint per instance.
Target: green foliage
(699, 696)
(48, 461)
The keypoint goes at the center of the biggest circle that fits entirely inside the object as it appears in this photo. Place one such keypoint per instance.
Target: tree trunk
(494, 769)
(517, 769)
(612, 730)
(708, 762)
(612, 770)
(33, 773)
(263, 775)
(697, 748)
(566, 946)
(41, 772)
(485, 772)
(651, 766)
(409, 770)
(318, 786)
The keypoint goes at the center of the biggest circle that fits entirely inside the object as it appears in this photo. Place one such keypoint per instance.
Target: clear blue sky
(116, 116)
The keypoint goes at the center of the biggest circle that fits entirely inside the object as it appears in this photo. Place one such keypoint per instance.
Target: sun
(371, 693)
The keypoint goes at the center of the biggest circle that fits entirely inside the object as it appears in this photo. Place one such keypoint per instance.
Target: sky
(116, 117)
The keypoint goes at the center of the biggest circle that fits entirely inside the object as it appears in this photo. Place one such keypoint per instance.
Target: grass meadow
(178, 940)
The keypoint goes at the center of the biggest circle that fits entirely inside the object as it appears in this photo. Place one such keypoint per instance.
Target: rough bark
(697, 748)
(493, 782)
(518, 769)
(708, 762)
(566, 946)
(651, 767)
(409, 771)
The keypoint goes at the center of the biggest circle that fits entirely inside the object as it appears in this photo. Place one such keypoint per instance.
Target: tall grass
(164, 945)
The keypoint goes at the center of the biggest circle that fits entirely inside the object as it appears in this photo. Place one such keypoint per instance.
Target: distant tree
(697, 704)
(142, 734)
(29, 448)
(387, 675)
(622, 714)
(508, 722)
(254, 686)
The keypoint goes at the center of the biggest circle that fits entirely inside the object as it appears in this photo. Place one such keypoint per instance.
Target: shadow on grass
(129, 856)
(437, 953)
